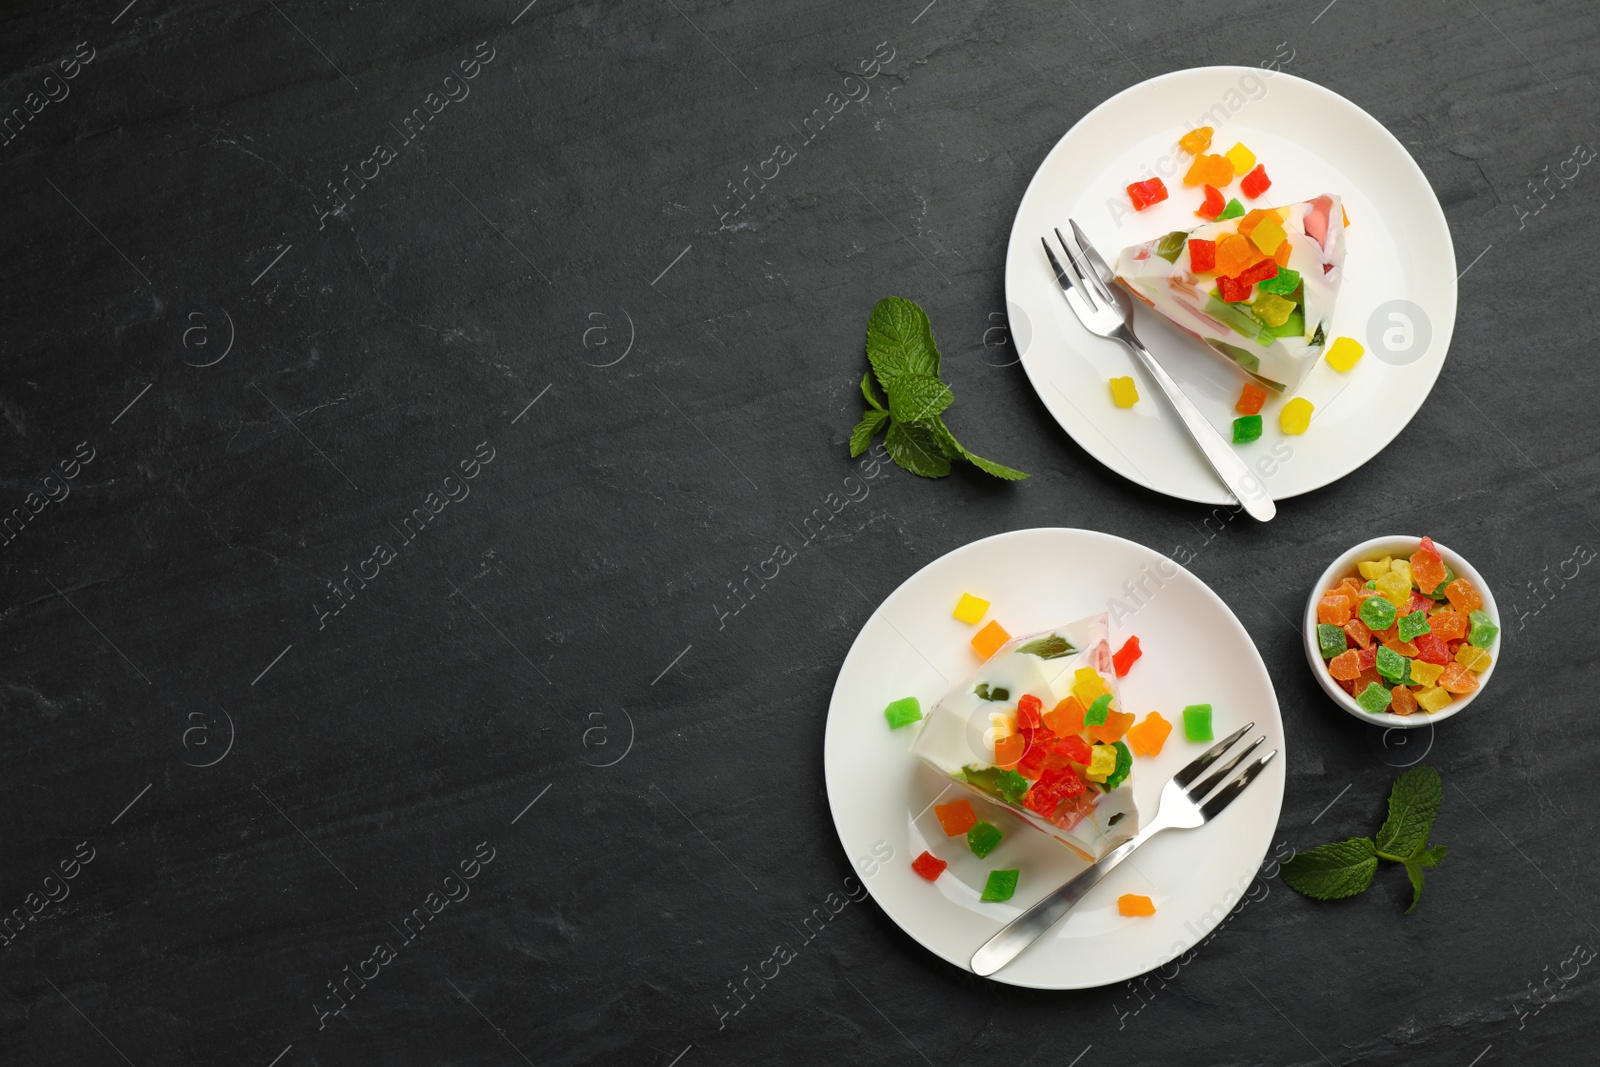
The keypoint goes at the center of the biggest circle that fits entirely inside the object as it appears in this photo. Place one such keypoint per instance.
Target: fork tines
(1201, 763)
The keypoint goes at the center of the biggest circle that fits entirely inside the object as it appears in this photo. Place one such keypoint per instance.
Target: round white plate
(1398, 297)
(1195, 652)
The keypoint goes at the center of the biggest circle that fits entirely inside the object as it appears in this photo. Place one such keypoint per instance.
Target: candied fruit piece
(1196, 140)
(1449, 624)
(1241, 158)
(1008, 750)
(1371, 568)
(1149, 736)
(1259, 271)
(1377, 613)
(983, 837)
(1054, 786)
(1393, 666)
(1457, 679)
(903, 712)
(1197, 723)
(1232, 290)
(1250, 399)
(1102, 761)
(1272, 310)
(1295, 417)
(1334, 608)
(1123, 659)
(1209, 208)
(1395, 588)
(1246, 428)
(1401, 567)
(1096, 715)
(1233, 254)
(1330, 639)
(1145, 193)
(1124, 393)
(1346, 665)
(1012, 786)
(1358, 633)
(1483, 631)
(1427, 566)
(1463, 597)
(1072, 749)
(987, 641)
(1232, 211)
(1111, 731)
(1087, 685)
(1066, 717)
(1413, 625)
(1267, 236)
(1000, 886)
(1374, 699)
(1343, 353)
(1209, 170)
(1431, 648)
(970, 609)
(1133, 905)
(1434, 699)
(1425, 672)
(929, 866)
(1028, 709)
(957, 817)
(1255, 183)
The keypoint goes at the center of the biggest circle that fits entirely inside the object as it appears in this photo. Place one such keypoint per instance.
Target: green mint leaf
(947, 441)
(1050, 646)
(915, 397)
(999, 470)
(955, 450)
(1413, 804)
(1327, 872)
(900, 341)
(860, 437)
(1428, 857)
(915, 449)
(866, 391)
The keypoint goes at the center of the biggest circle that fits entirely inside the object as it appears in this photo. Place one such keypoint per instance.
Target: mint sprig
(1345, 868)
(905, 360)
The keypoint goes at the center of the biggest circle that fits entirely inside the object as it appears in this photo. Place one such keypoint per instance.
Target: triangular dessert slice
(1258, 289)
(1038, 728)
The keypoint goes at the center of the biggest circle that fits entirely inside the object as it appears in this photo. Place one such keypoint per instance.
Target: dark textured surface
(518, 642)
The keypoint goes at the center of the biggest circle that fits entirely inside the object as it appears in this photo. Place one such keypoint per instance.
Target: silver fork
(1181, 808)
(1106, 310)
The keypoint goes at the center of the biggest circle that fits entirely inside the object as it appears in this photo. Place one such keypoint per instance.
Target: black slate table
(391, 393)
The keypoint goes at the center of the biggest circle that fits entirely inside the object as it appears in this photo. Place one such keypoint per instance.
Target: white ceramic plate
(1398, 298)
(1195, 651)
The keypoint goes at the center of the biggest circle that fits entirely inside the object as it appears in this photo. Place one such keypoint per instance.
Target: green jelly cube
(1197, 722)
(1234, 210)
(1414, 625)
(1236, 317)
(1449, 576)
(1330, 639)
(1283, 283)
(985, 778)
(1483, 631)
(1170, 247)
(1393, 666)
(1000, 886)
(1374, 699)
(1012, 786)
(1371, 584)
(1096, 715)
(1246, 428)
(1124, 767)
(903, 712)
(1378, 613)
(983, 838)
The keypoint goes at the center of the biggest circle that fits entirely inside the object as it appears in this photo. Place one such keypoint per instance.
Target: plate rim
(1435, 217)
(835, 698)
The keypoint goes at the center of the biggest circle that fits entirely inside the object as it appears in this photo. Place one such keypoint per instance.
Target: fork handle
(1028, 927)
(1246, 487)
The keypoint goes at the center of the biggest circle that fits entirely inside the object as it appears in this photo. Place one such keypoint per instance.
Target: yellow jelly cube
(970, 609)
(1242, 159)
(1434, 699)
(987, 641)
(1343, 353)
(1295, 416)
(1102, 761)
(1267, 236)
(1427, 673)
(1402, 567)
(1394, 588)
(1373, 568)
(1270, 309)
(1472, 658)
(1123, 392)
(1087, 685)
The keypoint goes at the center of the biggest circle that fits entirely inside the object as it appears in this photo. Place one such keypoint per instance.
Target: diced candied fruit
(1463, 597)
(1330, 639)
(1087, 685)
(983, 837)
(1401, 567)
(1402, 701)
(1425, 672)
(1346, 665)
(1234, 254)
(1150, 735)
(970, 609)
(987, 641)
(1358, 633)
(1009, 750)
(903, 712)
(1111, 731)
(1369, 658)
(1209, 170)
(1145, 193)
(1473, 658)
(1241, 158)
(1066, 717)
(1413, 625)
(1210, 208)
(957, 817)
(1295, 417)
(1231, 290)
(1399, 647)
(1427, 566)
(1457, 679)
(1259, 271)
(1393, 666)
(1255, 183)
(1334, 608)
(1246, 428)
(1377, 613)
(1096, 715)
(1102, 761)
(1197, 722)
(1054, 786)
(1124, 393)
(1483, 631)
(1251, 397)
(1028, 712)
(1434, 699)
(929, 866)
(1449, 624)
(1123, 658)
(1202, 255)
(1268, 236)
(1374, 699)
(1232, 211)
(1000, 886)
(1012, 786)
(1431, 648)
(1074, 749)
(1371, 568)
(1395, 588)
(1196, 140)
(1133, 905)
(1343, 353)
(1272, 310)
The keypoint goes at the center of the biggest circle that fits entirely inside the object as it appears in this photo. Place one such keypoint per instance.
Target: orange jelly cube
(1250, 399)
(1448, 625)
(1404, 648)
(1456, 678)
(1346, 665)
(1281, 256)
(1196, 140)
(1134, 904)
(1234, 254)
(1427, 567)
(1463, 597)
(1147, 738)
(957, 817)
(1253, 218)
(1111, 731)
(1066, 718)
(987, 641)
(1334, 610)
(1402, 701)
(1009, 750)
(1210, 170)
(1357, 631)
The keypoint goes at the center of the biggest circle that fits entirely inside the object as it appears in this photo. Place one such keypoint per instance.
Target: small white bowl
(1397, 547)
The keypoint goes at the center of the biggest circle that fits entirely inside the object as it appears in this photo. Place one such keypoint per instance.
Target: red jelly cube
(1124, 657)
(1367, 657)
(1056, 785)
(1143, 194)
(1431, 648)
(957, 817)
(929, 866)
(1259, 271)
(1250, 398)
(1211, 208)
(1028, 709)
(1233, 291)
(1255, 183)
(1202, 255)
(1075, 749)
